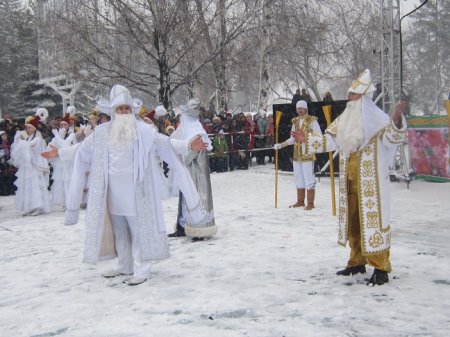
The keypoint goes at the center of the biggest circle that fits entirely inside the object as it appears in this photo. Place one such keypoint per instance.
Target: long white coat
(62, 170)
(32, 173)
(92, 155)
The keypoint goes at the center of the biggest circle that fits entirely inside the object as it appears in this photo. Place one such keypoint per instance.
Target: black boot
(196, 239)
(178, 233)
(352, 271)
(379, 277)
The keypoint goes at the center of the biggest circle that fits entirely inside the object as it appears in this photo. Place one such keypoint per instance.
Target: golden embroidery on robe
(299, 155)
(375, 238)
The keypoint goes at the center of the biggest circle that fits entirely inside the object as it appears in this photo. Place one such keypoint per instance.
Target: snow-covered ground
(268, 272)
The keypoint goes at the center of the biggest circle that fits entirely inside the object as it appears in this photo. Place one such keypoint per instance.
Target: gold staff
(327, 113)
(278, 115)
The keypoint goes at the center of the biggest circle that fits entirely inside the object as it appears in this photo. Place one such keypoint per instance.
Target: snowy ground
(268, 272)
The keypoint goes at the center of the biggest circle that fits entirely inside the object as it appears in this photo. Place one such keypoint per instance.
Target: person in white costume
(124, 211)
(86, 132)
(93, 122)
(303, 159)
(71, 112)
(32, 196)
(197, 164)
(62, 170)
(367, 139)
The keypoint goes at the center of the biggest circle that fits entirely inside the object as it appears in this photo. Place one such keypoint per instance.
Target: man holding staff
(366, 138)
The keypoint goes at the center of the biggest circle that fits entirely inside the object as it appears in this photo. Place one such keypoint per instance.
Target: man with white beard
(124, 211)
(366, 138)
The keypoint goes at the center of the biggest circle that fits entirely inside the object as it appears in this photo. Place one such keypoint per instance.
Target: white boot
(28, 213)
(134, 281)
(36, 212)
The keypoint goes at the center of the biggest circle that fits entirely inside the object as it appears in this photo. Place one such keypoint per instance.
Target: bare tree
(320, 42)
(232, 19)
(265, 51)
(223, 49)
(426, 62)
(153, 46)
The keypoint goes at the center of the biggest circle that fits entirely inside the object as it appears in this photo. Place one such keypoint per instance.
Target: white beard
(122, 132)
(350, 132)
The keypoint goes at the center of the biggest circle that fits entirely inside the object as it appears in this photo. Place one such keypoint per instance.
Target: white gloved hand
(88, 130)
(62, 132)
(55, 132)
(277, 146)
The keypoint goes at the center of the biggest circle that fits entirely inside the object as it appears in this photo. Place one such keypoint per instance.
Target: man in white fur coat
(197, 163)
(124, 212)
(366, 139)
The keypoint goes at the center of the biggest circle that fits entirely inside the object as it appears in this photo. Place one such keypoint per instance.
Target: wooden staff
(327, 113)
(278, 115)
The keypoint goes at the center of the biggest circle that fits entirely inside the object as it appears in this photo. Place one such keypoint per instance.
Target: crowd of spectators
(8, 129)
(236, 139)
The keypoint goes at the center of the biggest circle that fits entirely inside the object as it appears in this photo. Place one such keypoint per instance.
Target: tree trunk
(264, 80)
(164, 92)
(218, 64)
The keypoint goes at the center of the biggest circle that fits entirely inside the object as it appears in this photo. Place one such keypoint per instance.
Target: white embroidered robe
(92, 155)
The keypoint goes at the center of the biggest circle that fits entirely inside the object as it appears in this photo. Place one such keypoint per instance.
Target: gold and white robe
(381, 139)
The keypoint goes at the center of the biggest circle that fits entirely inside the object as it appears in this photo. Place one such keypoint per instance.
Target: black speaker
(285, 126)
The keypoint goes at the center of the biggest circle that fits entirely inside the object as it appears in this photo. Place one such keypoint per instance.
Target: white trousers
(126, 238)
(304, 175)
(182, 210)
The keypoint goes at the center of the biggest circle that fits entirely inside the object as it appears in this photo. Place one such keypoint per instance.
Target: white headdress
(71, 109)
(118, 96)
(363, 84)
(42, 113)
(302, 104)
(190, 126)
(160, 111)
(192, 108)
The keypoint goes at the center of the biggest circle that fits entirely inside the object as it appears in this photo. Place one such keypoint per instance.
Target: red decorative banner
(428, 139)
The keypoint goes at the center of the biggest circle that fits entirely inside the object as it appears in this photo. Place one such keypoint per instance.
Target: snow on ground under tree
(268, 272)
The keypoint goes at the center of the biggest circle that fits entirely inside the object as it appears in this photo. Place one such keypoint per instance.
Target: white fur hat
(118, 96)
(71, 109)
(160, 110)
(363, 84)
(192, 108)
(302, 104)
(42, 113)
